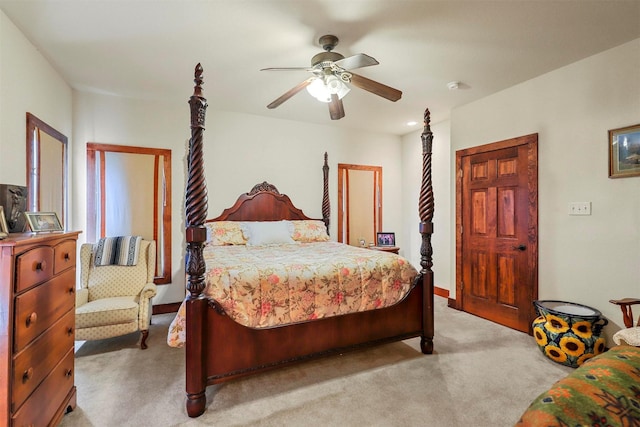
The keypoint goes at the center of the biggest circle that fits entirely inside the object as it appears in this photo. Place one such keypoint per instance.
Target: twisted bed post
(425, 211)
(196, 213)
(326, 207)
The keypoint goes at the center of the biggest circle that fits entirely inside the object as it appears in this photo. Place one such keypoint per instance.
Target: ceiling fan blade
(374, 87)
(288, 94)
(356, 61)
(286, 69)
(336, 108)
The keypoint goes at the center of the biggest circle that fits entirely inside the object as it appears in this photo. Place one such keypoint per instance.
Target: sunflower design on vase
(568, 333)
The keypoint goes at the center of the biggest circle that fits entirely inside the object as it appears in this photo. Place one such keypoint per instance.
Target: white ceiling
(148, 49)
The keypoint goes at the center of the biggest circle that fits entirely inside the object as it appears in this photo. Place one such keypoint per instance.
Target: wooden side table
(393, 249)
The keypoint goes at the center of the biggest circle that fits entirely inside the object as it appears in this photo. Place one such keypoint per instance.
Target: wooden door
(497, 231)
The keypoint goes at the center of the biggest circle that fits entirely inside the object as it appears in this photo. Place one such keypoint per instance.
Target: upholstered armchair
(115, 300)
(630, 335)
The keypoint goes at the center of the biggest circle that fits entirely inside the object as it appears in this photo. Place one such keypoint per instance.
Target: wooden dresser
(37, 325)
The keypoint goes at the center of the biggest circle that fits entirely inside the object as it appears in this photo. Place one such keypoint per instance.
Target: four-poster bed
(218, 348)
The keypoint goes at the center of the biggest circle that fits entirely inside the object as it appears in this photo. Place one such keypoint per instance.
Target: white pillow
(267, 232)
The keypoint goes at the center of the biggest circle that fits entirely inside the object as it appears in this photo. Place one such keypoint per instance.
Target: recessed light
(412, 123)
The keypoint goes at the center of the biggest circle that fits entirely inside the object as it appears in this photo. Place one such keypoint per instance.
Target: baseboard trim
(444, 293)
(441, 292)
(166, 308)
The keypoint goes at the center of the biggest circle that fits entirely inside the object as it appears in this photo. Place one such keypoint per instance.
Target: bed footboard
(236, 350)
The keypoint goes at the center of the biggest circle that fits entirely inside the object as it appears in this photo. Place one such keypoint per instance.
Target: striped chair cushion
(121, 250)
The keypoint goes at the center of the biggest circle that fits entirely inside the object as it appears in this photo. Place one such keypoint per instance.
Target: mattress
(274, 285)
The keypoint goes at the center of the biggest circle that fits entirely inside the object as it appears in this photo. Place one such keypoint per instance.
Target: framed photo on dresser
(14, 200)
(43, 221)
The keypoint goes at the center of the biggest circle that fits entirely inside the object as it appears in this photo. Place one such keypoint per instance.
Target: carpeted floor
(481, 374)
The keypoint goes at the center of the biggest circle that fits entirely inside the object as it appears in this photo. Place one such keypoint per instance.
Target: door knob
(520, 247)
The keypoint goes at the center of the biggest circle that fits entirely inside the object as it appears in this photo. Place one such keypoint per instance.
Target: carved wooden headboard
(263, 203)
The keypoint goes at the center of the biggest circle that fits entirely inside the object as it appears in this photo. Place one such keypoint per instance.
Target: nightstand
(393, 249)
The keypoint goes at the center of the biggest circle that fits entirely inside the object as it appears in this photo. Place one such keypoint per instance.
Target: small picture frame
(624, 152)
(43, 221)
(4, 228)
(386, 239)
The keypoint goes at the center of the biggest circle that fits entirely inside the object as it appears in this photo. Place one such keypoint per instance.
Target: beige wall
(584, 259)
(443, 212)
(28, 83)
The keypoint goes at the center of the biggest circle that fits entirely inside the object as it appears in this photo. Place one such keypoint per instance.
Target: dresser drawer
(64, 256)
(33, 363)
(45, 401)
(34, 266)
(40, 307)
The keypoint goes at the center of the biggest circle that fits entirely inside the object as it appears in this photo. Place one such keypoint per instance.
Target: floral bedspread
(603, 391)
(266, 286)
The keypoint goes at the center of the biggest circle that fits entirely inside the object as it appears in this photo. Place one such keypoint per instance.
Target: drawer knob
(31, 319)
(68, 373)
(72, 290)
(28, 374)
(66, 256)
(40, 266)
(70, 331)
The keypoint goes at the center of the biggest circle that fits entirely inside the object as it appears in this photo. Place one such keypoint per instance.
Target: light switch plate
(580, 208)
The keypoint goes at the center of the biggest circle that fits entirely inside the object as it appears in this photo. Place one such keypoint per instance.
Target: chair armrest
(625, 301)
(82, 296)
(149, 291)
(625, 305)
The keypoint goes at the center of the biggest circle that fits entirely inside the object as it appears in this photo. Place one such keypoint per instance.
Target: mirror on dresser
(46, 169)
(359, 203)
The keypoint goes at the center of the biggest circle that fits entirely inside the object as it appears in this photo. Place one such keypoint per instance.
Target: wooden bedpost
(425, 211)
(326, 207)
(196, 213)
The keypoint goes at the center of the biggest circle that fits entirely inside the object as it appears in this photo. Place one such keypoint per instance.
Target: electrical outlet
(580, 208)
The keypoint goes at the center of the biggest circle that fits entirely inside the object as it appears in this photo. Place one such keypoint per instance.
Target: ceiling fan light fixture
(332, 77)
(322, 90)
(337, 86)
(319, 91)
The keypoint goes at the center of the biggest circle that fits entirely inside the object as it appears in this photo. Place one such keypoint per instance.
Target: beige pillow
(306, 231)
(223, 233)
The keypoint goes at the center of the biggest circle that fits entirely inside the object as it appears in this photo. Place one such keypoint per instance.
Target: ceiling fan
(331, 71)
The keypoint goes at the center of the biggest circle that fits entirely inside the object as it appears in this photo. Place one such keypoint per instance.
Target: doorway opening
(359, 204)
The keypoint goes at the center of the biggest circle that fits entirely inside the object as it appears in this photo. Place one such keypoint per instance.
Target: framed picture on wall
(386, 239)
(624, 152)
(43, 221)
